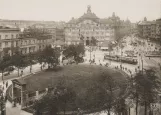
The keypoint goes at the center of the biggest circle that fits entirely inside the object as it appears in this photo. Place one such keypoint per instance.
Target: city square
(91, 64)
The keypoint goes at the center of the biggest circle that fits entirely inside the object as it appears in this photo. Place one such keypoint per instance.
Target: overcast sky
(64, 10)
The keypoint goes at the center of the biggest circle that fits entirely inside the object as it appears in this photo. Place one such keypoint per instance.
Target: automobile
(6, 73)
(71, 61)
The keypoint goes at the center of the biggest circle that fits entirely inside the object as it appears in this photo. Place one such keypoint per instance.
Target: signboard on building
(18, 86)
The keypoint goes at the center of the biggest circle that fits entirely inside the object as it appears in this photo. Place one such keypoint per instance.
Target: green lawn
(91, 94)
(79, 76)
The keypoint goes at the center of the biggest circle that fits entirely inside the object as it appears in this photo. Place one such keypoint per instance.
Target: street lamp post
(121, 57)
(142, 63)
(90, 51)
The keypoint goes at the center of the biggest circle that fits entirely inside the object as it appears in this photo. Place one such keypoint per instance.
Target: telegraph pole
(142, 63)
(121, 56)
(90, 50)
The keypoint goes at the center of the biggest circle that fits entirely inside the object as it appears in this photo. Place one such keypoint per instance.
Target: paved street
(99, 59)
(152, 62)
(17, 110)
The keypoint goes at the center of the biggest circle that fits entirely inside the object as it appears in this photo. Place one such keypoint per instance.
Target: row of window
(9, 37)
(15, 44)
(79, 25)
(9, 44)
(27, 42)
(92, 32)
(24, 50)
(89, 29)
(76, 37)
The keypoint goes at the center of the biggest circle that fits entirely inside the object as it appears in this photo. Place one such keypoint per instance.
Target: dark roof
(105, 43)
(4, 28)
(158, 21)
(59, 42)
(89, 15)
(19, 81)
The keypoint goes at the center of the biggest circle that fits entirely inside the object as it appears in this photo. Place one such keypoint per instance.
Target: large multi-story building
(11, 40)
(144, 28)
(57, 34)
(150, 29)
(87, 27)
(158, 29)
(60, 34)
(30, 45)
(8, 39)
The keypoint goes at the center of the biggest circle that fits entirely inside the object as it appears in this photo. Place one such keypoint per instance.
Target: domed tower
(145, 19)
(88, 9)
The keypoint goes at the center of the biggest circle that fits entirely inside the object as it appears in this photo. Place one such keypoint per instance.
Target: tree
(51, 56)
(120, 107)
(146, 84)
(121, 32)
(110, 48)
(33, 32)
(93, 41)
(30, 60)
(76, 51)
(2, 103)
(46, 103)
(19, 60)
(40, 58)
(54, 101)
(66, 96)
(5, 63)
(108, 86)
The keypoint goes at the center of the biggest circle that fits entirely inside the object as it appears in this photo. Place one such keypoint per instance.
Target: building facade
(60, 35)
(150, 29)
(30, 45)
(11, 40)
(87, 27)
(158, 29)
(8, 39)
(57, 34)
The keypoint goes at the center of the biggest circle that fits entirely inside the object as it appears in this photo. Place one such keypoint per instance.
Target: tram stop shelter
(19, 91)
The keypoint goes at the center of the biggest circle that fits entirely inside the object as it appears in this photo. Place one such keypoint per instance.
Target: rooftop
(4, 28)
(89, 15)
(145, 23)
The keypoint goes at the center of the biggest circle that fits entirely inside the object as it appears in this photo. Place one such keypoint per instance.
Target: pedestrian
(79, 112)
(6, 84)
(6, 98)
(21, 72)
(43, 66)
(30, 69)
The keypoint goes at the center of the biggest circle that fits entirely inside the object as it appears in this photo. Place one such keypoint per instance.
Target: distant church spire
(113, 14)
(145, 19)
(89, 9)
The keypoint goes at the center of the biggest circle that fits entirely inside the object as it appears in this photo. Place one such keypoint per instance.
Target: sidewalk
(17, 110)
(26, 71)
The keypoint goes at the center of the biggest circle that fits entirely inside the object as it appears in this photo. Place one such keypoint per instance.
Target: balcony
(27, 45)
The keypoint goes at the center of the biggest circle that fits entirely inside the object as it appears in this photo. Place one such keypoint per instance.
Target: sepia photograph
(80, 57)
